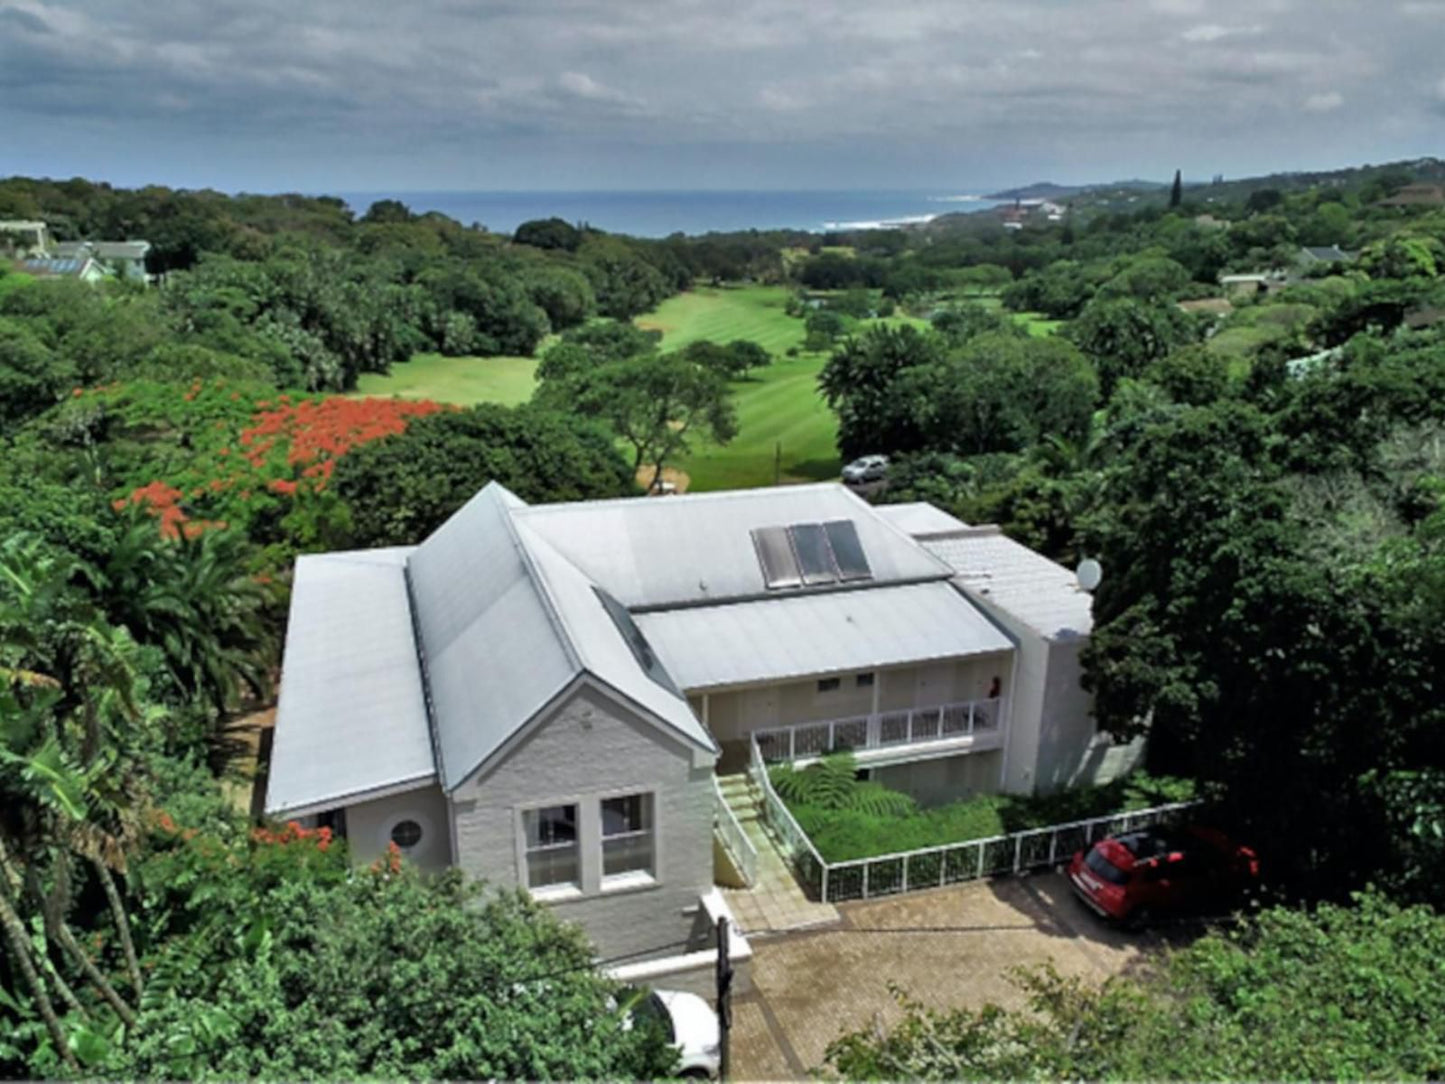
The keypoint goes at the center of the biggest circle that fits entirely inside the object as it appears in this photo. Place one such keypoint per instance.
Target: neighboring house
(542, 694)
(1416, 195)
(84, 268)
(1253, 282)
(24, 237)
(1314, 255)
(127, 258)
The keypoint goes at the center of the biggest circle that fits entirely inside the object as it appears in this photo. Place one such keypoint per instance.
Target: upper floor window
(827, 685)
(551, 846)
(627, 835)
(864, 681)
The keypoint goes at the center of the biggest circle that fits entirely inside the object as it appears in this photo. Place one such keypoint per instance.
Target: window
(641, 649)
(627, 835)
(406, 834)
(815, 556)
(551, 846)
(827, 685)
(864, 681)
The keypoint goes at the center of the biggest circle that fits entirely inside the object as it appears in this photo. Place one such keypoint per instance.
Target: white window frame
(556, 889)
(389, 826)
(633, 878)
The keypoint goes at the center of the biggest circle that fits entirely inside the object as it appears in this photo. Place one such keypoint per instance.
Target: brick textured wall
(590, 747)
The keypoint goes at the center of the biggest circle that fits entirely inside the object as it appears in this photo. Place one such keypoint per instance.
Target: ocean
(657, 214)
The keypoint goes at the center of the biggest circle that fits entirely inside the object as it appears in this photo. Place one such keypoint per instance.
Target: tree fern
(832, 783)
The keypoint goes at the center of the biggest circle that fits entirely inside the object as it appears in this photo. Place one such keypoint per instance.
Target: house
(543, 695)
(1416, 195)
(1253, 282)
(24, 237)
(84, 268)
(1315, 255)
(127, 258)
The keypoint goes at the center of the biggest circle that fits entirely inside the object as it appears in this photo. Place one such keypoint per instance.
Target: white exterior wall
(590, 747)
(732, 715)
(369, 825)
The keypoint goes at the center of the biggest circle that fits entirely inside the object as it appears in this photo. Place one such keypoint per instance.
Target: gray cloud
(352, 94)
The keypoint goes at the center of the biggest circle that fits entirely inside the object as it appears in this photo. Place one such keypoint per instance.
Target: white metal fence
(726, 824)
(808, 864)
(950, 863)
(887, 729)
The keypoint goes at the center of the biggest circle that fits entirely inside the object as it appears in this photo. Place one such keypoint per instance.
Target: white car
(868, 468)
(691, 1027)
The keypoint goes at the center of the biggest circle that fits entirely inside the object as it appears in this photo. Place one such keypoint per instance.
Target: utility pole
(777, 463)
(724, 996)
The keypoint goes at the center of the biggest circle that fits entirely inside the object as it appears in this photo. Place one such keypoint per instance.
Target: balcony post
(792, 742)
(905, 873)
(970, 718)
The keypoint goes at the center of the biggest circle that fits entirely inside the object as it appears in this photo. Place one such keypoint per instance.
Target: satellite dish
(1089, 573)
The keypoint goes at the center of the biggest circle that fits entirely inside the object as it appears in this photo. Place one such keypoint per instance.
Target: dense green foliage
(1341, 993)
(400, 490)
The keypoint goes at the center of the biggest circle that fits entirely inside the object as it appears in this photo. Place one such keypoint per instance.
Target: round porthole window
(406, 834)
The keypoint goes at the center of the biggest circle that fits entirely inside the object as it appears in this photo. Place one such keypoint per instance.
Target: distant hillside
(1050, 190)
(1417, 169)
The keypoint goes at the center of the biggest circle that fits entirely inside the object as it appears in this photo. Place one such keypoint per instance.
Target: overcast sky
(363, 95)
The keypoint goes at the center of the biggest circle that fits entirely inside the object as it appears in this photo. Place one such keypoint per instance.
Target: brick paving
(948, 947)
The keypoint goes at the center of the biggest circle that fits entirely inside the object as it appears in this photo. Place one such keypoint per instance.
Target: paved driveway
(948, 947)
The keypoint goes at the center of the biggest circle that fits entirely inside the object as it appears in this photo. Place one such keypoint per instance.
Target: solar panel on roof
(848, 550)
(780, 567)
(815, 556)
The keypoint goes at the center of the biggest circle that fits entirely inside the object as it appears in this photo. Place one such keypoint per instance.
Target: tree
(858, 379)
(387, 212)
(195, 598)
(403, 487)
(553, 233)
(32, 377)
(279, 961)
(655, 404)
(1279, 998)
(1123, 336)
(1176, 193)
(999, 392)
(731, 362)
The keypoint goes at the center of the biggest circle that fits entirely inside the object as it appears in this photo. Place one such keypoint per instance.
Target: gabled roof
(76, 266)
(492, 652)
(654, 552)
(995, 569)
(504, 625)
(352, 718)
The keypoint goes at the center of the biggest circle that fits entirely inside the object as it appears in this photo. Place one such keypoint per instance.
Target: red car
(1132, 877)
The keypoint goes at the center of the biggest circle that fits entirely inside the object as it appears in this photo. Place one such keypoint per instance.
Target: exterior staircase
(773, 901)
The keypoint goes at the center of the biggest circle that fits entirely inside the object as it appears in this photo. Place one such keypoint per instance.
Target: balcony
(891, 736)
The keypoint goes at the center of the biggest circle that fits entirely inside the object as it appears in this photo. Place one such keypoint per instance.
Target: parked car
(1133, 877)
(868, 468)
(690, 1025)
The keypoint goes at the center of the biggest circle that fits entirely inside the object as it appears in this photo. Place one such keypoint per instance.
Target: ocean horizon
(660, 213)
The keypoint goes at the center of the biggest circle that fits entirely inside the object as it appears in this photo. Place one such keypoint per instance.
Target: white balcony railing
(885, 730)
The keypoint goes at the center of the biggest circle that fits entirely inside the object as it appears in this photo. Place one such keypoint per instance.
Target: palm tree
(67, 767)
(195, 599)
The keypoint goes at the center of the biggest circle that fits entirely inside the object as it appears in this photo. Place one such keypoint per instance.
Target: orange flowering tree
(216, 452)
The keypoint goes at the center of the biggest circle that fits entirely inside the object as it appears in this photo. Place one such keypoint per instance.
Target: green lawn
(503, 380)
(785, 431)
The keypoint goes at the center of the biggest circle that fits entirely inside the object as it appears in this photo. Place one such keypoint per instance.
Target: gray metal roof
(919, 518)
(805, 634)
(121, 250)
(600, 645)
(655, 552)
(494, 654)
(351, 717)
(1043, 595)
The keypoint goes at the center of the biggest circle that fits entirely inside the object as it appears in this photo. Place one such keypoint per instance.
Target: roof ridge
(537, 577)
(690, 498)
